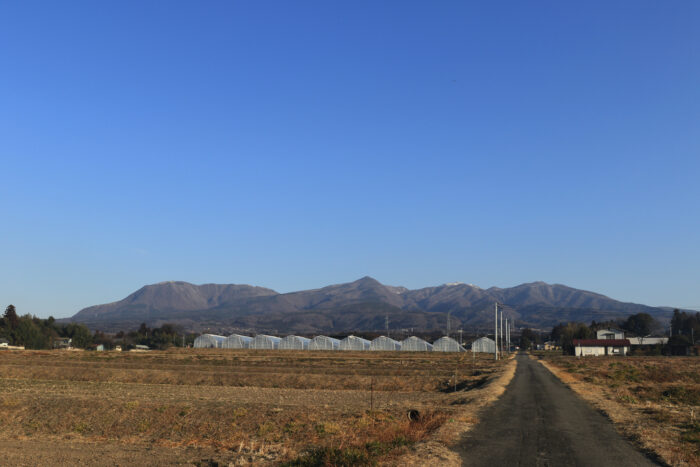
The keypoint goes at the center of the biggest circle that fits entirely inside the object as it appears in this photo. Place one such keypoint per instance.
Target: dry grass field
(653, 400)
(211, 407)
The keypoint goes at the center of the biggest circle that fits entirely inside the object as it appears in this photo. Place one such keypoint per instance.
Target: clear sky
(297, 144)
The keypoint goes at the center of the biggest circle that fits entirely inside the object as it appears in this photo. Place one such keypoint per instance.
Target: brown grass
(655, 401)
(437, 449)
(246, 406)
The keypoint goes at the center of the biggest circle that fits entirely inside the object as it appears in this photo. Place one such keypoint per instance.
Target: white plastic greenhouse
(354, 343)
(236, 341)
(484, 344)
(324, 343)
(416, 344)
(262, 341)
(294, 343)
(209, 341)
(384, 343)
(447, 344)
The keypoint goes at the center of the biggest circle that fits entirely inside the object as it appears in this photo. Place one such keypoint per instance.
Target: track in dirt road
(540, 422)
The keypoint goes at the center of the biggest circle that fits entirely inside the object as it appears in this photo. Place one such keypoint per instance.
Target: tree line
(685, 330)
(37, 333)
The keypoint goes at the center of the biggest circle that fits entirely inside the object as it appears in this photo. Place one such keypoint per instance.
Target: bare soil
(229, 407)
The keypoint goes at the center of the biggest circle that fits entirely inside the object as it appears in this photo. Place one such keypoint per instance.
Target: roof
(602, 342)
(648, 340)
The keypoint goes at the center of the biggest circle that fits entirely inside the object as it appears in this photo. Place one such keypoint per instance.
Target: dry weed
(654, 401)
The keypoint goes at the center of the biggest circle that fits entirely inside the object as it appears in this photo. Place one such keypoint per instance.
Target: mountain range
(362, 305)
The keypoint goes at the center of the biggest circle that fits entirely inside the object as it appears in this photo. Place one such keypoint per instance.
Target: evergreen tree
(10, 317)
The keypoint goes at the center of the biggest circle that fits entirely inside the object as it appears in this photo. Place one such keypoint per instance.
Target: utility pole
(448, 323)
(386, 324)
(501, 331)
(507, 337)
(509, 327)
(495, 334)
(460, 337)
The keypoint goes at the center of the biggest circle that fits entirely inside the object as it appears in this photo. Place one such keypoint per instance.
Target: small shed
(209, 341)
(484, 344)
(324, 343)
(447, 344)
(294, 343)
(354, 343)
(236, 341)
(416, 344)
(263, 341)
(384, 343)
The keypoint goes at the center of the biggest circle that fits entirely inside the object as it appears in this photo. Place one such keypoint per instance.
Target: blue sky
(297, 144)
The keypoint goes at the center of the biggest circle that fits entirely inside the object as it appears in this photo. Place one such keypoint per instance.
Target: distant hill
(362, 305)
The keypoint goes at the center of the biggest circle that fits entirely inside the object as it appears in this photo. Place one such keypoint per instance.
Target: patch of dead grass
(437, 449)
(246, 406)
(652, 400)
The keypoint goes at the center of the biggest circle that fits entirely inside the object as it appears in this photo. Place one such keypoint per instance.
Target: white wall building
(610, 334)
(601, 347)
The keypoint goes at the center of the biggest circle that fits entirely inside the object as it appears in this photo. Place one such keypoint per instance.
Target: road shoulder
(440, 448)
(654, 443)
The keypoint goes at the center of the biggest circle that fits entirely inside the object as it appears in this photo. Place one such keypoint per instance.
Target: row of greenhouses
(262, 341)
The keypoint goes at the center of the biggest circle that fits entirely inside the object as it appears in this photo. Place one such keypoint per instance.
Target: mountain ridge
(359, 305)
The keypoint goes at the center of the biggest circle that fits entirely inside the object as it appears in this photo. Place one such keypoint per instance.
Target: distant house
(550, 345)
(100, 348)
(4, 343)
(600, 347)
(117, 348)
(62, 343)
(140, 348)
(610, 334)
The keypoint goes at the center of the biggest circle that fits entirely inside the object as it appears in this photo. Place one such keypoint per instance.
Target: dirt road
(540, 422)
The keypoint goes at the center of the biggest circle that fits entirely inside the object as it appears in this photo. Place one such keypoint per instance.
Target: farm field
(211, 407)
(655, 401)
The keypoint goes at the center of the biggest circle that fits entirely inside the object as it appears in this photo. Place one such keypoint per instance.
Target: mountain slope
(174, 296)
(360, 305)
